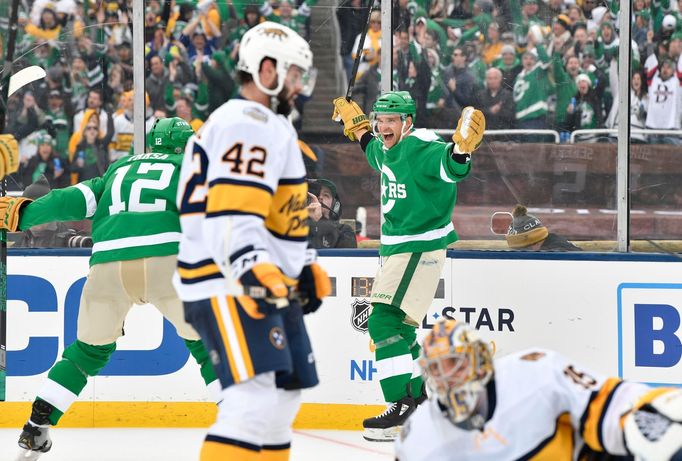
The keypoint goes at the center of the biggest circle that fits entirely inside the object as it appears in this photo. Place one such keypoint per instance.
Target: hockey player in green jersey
(135, 230)
(419, 172)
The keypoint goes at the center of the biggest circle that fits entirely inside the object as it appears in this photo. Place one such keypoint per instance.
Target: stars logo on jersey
(360, 314)
(277, 338)
(390, 189)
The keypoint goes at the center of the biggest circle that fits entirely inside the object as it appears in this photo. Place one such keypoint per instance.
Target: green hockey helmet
(395, 102)
(169, 136)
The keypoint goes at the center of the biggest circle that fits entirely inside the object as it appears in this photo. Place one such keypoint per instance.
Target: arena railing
(515, 133)
(614, 131)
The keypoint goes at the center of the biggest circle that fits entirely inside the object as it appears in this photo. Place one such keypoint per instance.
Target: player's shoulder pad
(424, 135)
(242, 111)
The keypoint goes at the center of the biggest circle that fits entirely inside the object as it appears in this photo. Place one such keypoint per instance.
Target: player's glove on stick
(469, 133)
(313, 286)
(10, 212)
(653, 431)
(266, 289)
(9, 155)
(354, 119)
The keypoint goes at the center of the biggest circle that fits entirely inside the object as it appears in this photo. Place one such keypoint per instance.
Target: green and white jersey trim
(90, 200)
(137, 241)
(538, 106)
(425, 236)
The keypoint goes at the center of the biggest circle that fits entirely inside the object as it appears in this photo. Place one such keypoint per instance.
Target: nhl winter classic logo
(360, 314)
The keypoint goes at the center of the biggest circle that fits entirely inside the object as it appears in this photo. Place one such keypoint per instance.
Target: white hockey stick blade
(24, 77)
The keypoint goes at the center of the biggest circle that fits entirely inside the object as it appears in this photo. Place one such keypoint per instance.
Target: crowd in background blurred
(79, 119)
(527, 64)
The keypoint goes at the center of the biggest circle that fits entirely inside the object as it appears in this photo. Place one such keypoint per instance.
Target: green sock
(200, 354)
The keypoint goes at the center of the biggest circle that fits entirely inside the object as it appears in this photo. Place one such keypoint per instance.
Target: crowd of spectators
(527, 64)
(78, 120)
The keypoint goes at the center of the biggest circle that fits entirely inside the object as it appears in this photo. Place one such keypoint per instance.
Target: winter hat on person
(36, 190)
(583, 77)
(508, 49)
(525, 229)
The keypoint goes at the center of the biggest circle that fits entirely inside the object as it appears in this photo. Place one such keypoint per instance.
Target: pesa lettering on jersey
(151, 156)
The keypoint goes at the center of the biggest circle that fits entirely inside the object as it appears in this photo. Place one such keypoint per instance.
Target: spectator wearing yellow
(372, 44)
(48, 28)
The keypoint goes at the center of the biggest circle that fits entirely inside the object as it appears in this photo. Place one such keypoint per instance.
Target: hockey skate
(386, 426)
(34, 439)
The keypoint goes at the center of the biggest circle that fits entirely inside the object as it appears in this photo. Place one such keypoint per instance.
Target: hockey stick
(7, 71)
(358, 53)
(24, 77)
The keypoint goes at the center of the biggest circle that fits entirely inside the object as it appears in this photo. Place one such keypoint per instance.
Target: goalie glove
(266, 290)
(469, 132)
(313, 284)
(10, 212)
(653, 430)
(353, 118)
(9, 155)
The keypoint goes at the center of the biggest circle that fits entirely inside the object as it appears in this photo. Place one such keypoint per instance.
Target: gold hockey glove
(469, 133)
(9, 155)
(354, 119)
(10, 211)
(266, 289)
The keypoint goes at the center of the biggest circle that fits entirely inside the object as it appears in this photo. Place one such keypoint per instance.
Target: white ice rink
(183, 445)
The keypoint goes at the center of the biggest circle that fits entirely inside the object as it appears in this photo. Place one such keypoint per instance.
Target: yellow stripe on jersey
(560, 447)
(595, 411)
(223, 336)
(238, 198)
(243, 346)
(198, 272)
(274, 455)
(289, 211)
(216, 451)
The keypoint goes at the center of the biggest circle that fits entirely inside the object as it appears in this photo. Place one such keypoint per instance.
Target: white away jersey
(543, 408)
(665, 106)
(242, 200)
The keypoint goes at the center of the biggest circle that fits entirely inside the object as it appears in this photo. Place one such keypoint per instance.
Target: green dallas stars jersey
(418, 192)
(132, 207)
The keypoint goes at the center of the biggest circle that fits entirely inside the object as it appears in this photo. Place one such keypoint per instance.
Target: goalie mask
(169, 136)
(458, 365)
(281, 44)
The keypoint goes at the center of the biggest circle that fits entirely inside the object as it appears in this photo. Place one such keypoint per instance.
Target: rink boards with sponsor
(616, 314)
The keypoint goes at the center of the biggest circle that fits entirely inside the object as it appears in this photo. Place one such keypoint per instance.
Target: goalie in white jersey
(243, 211)
(532, 405)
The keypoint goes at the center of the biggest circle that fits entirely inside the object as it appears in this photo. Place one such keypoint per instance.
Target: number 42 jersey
(242, 200)
(132, 208)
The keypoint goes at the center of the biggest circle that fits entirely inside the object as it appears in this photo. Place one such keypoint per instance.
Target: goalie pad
(653, 432)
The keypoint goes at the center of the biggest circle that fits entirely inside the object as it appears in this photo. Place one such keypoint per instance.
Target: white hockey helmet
(277, 42)
(458, 364)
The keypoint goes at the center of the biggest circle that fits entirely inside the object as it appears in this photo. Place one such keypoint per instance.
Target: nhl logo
(360, 314)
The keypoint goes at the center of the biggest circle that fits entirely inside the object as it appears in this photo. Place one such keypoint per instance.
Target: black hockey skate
(386, 426)
(34, 439)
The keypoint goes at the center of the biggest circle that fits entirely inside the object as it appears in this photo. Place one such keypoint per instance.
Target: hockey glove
(353, 118)
(469, 133)
(10, 212)
(313, 286)
(266, 289)
(653, 431)
(9, 155)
